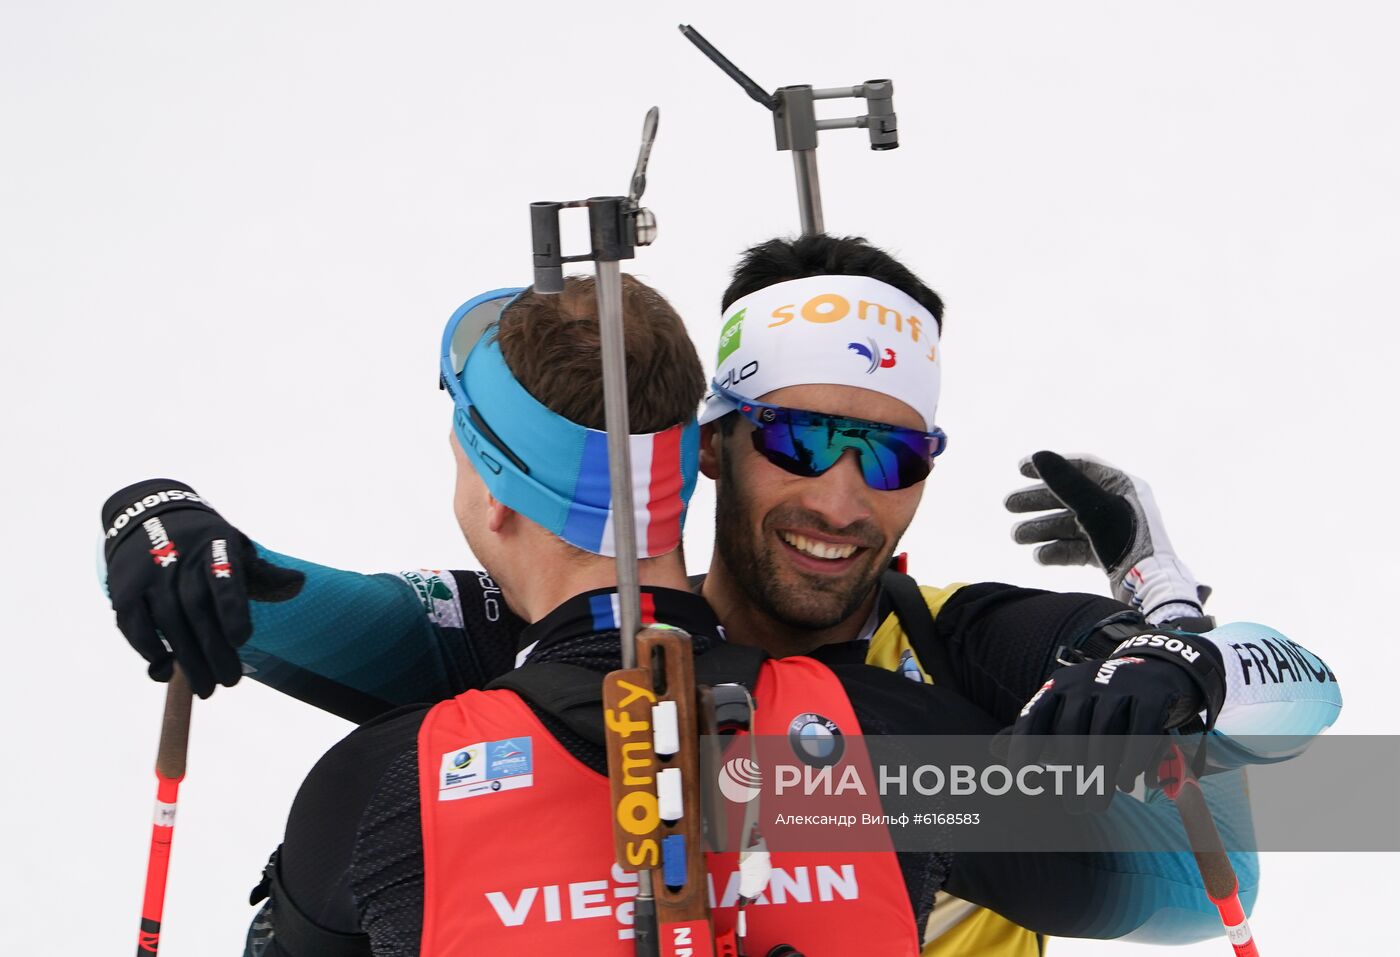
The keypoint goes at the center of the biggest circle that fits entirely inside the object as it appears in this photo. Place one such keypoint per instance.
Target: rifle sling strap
(917, 622)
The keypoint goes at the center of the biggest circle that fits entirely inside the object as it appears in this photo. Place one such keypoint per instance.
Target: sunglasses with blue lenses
(809, 443)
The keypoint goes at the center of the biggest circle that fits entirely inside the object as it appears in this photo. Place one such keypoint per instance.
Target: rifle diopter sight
(616, 224)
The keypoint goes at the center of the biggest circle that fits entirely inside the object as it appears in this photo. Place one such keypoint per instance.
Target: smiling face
(805, 552)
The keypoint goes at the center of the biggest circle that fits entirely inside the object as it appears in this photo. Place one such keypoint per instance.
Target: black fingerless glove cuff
(1103, 638)
(1196, 655)
(128, 508)
(1196, 624)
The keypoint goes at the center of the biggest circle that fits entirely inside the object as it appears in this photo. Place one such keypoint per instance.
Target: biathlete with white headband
(828, 346)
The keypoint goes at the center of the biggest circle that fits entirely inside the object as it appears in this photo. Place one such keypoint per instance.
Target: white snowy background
(230, 235)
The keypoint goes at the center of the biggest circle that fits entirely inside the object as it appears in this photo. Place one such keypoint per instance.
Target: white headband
(828, 330)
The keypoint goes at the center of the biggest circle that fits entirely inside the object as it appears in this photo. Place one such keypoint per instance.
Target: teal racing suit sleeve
(360, 645)
(1144, 896)
(1279, 697)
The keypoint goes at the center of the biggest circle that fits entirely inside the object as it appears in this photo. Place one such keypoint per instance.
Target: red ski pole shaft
(170, 770)
(1222, 886)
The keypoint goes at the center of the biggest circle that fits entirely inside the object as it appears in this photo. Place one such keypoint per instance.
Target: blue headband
(549, 469)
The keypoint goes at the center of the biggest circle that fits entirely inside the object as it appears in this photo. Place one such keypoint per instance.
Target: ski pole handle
(1217, 873)
(170, 770)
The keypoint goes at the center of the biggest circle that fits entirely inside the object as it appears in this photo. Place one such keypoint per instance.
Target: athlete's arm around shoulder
(1078, 894)
(1101, 894)
(189, 587)
(1004, 642)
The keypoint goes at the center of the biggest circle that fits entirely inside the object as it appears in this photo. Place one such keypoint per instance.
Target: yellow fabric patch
(889, 643)
(980, 932)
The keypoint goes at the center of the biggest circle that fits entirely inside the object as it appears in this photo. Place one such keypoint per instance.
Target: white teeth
(818, 549)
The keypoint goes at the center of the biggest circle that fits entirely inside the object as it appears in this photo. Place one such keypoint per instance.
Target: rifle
(795, 123)
(650, 704)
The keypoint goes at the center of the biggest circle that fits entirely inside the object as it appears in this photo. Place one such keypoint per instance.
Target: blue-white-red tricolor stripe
(554, 471)
(607, 614)
(659, 492)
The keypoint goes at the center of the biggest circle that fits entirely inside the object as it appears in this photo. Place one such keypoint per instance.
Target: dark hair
(551, 345)
(779, 260)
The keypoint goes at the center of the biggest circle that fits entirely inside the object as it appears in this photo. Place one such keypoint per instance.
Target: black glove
(1115, 712)
(180, 578)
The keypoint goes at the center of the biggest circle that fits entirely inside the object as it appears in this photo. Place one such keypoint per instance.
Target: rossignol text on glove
(180, 578)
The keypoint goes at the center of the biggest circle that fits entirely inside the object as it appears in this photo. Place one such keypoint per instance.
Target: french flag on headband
(663, 475)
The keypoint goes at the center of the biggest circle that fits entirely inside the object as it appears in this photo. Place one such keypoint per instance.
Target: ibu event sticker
(485, 768)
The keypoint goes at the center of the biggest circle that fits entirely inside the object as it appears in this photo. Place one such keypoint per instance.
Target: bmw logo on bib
(815, 739)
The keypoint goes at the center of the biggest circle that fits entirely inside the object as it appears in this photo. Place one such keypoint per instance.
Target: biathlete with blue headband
(820, 432)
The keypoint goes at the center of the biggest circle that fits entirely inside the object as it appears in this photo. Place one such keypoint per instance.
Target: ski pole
(170, 770)
(1218, 874)
(795, 123)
